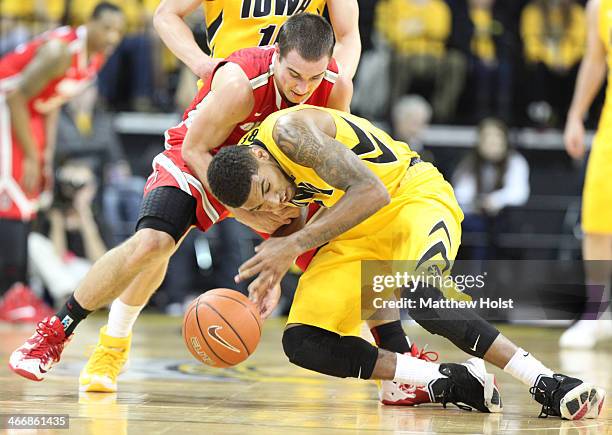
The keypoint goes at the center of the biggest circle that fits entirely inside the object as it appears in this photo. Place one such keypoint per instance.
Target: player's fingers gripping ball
(221, 328)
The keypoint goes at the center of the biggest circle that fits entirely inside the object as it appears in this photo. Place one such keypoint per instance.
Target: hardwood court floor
(167, 392)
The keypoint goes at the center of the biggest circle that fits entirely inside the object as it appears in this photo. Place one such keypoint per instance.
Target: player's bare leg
(110, 356)
(329, 353)
(588, 331)
(144, 252)
(115, 271)
(390, 335)
(559, 395)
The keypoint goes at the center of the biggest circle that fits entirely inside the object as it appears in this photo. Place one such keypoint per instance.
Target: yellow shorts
(597, 193)
(422, 214)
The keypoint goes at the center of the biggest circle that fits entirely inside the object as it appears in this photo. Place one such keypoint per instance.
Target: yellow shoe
(104, 365)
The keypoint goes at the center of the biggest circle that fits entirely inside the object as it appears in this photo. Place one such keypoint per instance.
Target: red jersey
(79, 75)
(169, 168)
(14, 202)
(258, 64)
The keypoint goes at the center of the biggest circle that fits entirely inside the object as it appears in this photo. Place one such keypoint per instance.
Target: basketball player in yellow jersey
(235, 24)
(382, 203)
(597, 194)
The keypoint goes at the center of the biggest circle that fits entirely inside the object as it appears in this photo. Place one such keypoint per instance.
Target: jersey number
(268, 35)
(367, 146)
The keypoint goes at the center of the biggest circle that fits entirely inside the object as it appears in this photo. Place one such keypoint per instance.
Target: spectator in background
(410, 118)
(483, 32)
(22, 19)
(554, 36)
(86, 132)
(127, 80)
(74, 239)
(417, 32)
(489, 179)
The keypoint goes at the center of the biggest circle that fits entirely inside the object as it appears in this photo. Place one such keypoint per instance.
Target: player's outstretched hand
(573, 137)
(268, 302)
(205, 68)
(271, 261)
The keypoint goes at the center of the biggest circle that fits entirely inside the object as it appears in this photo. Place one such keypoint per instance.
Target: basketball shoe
(467, 385)
(568, 398)
(41, 351)
(108, 359)
(585, 334)
(395, 393)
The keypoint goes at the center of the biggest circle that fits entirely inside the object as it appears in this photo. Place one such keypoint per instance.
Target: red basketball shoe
(41, 351)
(394, 393)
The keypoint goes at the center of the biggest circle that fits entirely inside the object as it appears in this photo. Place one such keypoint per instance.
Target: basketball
(221, 328)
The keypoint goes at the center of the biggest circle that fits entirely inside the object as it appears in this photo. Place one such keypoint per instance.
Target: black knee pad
(462, 326)
(329, 353)
(167, 209)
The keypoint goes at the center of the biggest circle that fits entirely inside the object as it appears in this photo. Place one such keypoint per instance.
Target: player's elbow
(377, 194)
(160, 16)
(189, 152)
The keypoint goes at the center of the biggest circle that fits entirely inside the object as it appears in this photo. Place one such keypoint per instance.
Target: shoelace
(48, 345)
(426, 355)
(109, 359)
(547, 406)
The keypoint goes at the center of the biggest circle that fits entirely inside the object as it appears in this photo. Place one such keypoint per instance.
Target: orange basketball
(221, 327)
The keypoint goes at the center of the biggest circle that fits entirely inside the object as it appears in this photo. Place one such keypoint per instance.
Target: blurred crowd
(489, 63)
(516, 60)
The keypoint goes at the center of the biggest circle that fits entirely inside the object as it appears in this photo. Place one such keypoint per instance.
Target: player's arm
(50, 62)
(178, 37)
(307, 138)
(229, 102)
(51, 125)
(590, 78)
(344, 17)
(341, 94)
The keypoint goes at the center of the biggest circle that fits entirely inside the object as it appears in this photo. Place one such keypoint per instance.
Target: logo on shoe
(67, 321)
(214, 334)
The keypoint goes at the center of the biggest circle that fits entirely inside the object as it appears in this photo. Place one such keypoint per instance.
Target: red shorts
(170, 170)
(15, 203)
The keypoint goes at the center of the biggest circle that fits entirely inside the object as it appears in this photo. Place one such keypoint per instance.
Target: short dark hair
(229, 174)
(104, 6)
(311, 35)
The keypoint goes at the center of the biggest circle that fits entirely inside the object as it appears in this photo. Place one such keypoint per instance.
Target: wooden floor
(167, 392)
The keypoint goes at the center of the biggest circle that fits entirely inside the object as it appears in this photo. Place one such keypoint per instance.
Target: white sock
(414, 371)
(524, 367)
(121, 318)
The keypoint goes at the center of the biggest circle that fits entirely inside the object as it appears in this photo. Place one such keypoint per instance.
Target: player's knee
(329, 353)
(462, 326)
(148, 246)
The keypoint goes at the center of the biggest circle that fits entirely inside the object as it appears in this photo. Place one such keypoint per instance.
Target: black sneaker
(467, 386)
(568, 398)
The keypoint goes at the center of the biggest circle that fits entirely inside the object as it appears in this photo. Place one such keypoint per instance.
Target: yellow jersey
(235, 24)
(387, 158)
(605, 33)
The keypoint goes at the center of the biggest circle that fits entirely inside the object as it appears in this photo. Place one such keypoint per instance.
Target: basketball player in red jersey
(243, 89)
(35, 80)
